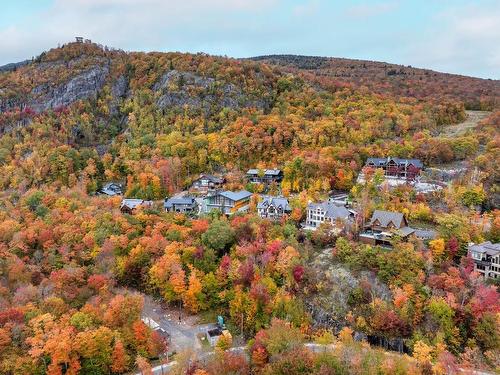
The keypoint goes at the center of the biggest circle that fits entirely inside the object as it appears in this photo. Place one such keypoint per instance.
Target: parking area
(183, 333)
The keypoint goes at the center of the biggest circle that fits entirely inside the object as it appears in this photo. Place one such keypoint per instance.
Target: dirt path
(473, 118)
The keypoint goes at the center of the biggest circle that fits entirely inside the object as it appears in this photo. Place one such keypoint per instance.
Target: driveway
(183, 333)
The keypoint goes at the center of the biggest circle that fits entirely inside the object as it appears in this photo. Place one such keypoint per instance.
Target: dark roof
(425, 234)
(214, 332)
(274, 201)
(178, 201)
(211, 178)
(378, 162)
(386, 217)
(332, 210)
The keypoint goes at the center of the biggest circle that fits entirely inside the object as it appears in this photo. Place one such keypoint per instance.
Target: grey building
(185, 204)
(486, 258)
(273, 207)
(206, 183)
(267, 176)
(227, 202)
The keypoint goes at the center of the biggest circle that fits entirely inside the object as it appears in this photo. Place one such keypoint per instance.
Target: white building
(329, 212)
(273, 208)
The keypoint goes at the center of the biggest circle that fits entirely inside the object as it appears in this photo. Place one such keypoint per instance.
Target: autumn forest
(78, 272)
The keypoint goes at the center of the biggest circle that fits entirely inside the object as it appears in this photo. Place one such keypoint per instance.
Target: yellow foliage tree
(345, 335)
(437, 247)
(422, 352)
(192, 294)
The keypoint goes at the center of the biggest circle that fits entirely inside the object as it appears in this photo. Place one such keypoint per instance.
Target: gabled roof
(267, 172)
(111, 188)
(405, 231)
(188, 200)
(133, 203)
(235, 195)
(211, 178)
(378, 162)
(488, 248)
(386, 217)
(332, 211)
(274, 201)
(272, 172)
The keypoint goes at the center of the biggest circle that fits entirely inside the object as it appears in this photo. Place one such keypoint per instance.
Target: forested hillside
(203, 113)
(82, 115)
(392, 79)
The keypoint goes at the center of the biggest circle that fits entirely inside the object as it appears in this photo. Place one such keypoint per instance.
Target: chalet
(273, 207)
(267, 176)
(185, 204)
(111, 189)
(206, 183)
(227, 202)
(395, 167)
(486, 257)
(130, 205)
(383, 226)
(326, 212)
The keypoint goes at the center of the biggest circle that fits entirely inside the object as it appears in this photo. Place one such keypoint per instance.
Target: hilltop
(393, 79)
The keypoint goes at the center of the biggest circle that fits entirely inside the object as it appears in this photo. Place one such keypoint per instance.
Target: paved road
(182, 334)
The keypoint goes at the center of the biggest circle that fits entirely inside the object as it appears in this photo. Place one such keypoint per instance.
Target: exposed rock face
(120, 87)
(83, 86)
(47, 96)
(119, 90)
(329, 305)
(7, 104)
(178, 89)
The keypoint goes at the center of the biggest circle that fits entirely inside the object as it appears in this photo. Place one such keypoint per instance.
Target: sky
(455, 36)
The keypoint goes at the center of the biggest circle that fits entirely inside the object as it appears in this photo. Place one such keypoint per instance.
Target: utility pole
(242, 324)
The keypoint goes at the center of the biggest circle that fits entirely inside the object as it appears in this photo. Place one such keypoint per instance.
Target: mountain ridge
(399, 80)
(336, 58)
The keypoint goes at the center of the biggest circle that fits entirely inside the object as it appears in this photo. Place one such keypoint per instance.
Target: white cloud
(463, 39)
(130, 24)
